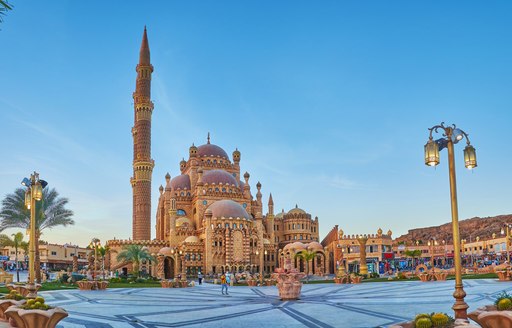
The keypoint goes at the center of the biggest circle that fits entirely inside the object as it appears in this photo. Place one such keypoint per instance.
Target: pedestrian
(200, 277)
(224, 284)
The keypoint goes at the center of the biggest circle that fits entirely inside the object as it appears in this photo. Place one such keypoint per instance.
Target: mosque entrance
(169, 268)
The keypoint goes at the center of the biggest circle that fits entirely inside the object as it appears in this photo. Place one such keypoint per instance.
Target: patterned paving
(321, 305)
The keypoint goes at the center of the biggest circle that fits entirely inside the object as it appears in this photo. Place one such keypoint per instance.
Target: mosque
(207, 218)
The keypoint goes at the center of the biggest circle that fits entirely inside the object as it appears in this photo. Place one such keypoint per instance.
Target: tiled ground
(321, 305)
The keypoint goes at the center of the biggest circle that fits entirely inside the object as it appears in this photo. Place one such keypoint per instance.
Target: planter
(5, 304)
(101, 285)
(502, 275)
(288, 284)
(183, 283)
(251, 283)
(35, 318)
(489, 317)
(85, 285)
(21, 289)
(459, 323)
(424, 277)
(167, 284)
(270, 282)
(356, 279)
(441, 276)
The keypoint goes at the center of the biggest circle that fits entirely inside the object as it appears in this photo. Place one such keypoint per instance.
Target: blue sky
(329, 103)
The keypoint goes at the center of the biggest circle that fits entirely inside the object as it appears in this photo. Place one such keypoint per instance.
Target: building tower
(142, 162)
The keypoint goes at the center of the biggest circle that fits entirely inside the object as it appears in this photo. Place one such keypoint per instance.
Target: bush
(64, 278)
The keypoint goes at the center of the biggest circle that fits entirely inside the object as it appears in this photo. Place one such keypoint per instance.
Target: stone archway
(169, 265)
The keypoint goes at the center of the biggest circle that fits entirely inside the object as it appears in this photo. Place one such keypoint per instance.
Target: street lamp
(33, 193)
(432, 243)
(95, 243)
(452, 135)
(507, 239)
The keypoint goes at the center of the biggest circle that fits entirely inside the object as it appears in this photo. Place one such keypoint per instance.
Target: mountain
(469, 230)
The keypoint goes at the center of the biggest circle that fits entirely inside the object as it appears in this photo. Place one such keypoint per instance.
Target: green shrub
(423, 323)
(64, 278)
(504, 304)
(439, 319)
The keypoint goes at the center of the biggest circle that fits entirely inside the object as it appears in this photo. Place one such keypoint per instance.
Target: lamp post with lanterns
(432, 243)
(33, 194)
(451, 136)
(507, 239)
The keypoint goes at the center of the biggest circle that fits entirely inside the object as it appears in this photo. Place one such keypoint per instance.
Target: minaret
(142, 162)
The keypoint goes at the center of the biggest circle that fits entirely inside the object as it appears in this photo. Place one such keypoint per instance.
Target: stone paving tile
(367, 305)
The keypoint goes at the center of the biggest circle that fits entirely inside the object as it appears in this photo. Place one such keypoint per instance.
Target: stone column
(160, 273)
(363, 268)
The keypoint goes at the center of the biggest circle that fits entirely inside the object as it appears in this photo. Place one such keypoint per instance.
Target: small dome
(192, 239)
(166, 251)
(296, 210)
(218, 176)
(379, 232)
(315, 246)
(280, 214)
(227, 208)
(298, 246)
(209, 150)
(183, 220)
(180, 182)
(390, 233)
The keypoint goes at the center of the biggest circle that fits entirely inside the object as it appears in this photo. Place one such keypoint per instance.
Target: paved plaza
(321, 305)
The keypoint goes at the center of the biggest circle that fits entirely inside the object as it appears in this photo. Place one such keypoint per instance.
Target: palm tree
(103, 251)
(307, 256)
(414, 254)
(4, 7)
(50, 213)
(16, 242)
(135, 254)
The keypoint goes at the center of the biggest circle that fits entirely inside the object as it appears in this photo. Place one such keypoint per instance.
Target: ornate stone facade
(207, 218)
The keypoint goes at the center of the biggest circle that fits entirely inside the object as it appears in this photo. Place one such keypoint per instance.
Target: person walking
(200, 277)
(224, 284)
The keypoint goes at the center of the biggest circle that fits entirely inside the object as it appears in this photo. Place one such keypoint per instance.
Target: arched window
(217, 189)
(181, 212)
(223, 189)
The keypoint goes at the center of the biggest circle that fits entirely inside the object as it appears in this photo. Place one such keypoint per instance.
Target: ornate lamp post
(452, 135)
(95, 243)
(432, 243)
(34, 193)
(507, 239)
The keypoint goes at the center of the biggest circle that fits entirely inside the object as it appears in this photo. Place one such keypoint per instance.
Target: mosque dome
(296, 210)
(218, 176)
(316, 246)
(227, 208)
(180, 182)
(211, 150)
(166, 251)
(192, 239)
(298, 246)
(183, 220)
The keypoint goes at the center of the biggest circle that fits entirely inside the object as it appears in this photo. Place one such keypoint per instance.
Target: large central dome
(209, 150)
(219, 176)
(227, 208)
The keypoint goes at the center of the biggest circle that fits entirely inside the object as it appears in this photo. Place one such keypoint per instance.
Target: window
(54, 253)
(181, 212)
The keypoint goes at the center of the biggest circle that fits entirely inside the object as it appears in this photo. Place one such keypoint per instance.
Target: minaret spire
(208, 138)
(141, 131)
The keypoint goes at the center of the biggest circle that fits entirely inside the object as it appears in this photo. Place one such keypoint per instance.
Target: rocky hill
(469, 230)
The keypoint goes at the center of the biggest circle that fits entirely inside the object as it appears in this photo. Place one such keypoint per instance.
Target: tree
(51, 212)
(16, 242)
(307, 256)
(135, 254)
(414, 254)
(103, 251)
(4, 8)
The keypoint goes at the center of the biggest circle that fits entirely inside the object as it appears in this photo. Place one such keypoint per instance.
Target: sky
(329, 103)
